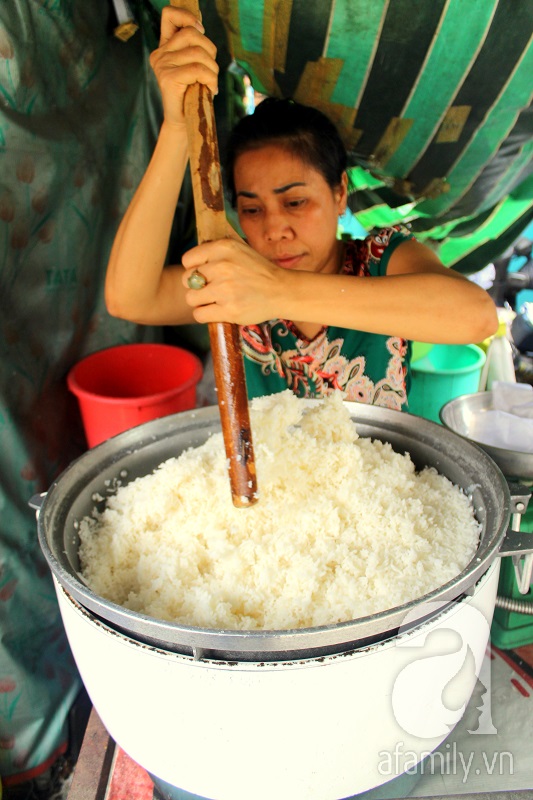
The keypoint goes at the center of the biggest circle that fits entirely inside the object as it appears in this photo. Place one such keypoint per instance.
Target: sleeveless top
(369, 368)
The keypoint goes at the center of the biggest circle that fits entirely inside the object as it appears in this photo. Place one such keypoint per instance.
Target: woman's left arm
(418, 299)
(445, 306)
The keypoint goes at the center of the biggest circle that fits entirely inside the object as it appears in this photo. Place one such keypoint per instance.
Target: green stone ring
(196, 280)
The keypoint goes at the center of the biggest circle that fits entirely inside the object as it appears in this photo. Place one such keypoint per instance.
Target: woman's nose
(276, 227)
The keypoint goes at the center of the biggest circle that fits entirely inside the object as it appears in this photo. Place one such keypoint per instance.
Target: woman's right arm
(138, 287)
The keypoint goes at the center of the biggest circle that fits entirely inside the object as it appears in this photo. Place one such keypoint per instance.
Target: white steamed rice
(344, 527)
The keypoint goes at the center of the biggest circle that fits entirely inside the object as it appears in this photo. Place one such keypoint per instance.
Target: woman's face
(287, 210)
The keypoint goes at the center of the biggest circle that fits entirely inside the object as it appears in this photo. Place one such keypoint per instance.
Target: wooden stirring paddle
(224, 337)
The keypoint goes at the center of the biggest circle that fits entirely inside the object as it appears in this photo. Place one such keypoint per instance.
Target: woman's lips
(288, 262)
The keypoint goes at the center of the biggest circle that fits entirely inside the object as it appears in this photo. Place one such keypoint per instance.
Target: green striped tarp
(432, 97)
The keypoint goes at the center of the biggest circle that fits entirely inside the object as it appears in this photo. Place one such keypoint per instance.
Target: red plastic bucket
(124, 386)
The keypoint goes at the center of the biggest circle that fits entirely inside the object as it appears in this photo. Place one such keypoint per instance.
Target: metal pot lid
(138, 451)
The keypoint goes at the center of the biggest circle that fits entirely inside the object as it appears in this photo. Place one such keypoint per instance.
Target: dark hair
(302, 130)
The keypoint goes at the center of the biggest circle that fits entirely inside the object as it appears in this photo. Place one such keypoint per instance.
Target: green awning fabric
(433, 99)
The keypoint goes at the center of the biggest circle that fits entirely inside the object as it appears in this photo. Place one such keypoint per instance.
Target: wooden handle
(224, 338)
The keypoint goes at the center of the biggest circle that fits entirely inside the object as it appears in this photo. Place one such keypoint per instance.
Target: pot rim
(205, 659)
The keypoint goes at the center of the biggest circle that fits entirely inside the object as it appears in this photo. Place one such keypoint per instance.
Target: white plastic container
(314, 729)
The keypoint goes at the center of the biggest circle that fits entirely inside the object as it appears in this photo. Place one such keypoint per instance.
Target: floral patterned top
(367, 367)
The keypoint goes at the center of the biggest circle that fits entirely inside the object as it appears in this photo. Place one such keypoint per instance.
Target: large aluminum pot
(138, 451)
(315, 714)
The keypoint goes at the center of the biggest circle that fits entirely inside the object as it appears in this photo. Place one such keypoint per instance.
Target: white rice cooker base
(317, 729)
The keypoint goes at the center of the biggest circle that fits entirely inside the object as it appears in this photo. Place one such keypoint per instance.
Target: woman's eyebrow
(281, 189)
(288, 186)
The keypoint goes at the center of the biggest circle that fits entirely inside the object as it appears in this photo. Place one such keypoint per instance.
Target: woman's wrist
(173, 128)
(172, 147)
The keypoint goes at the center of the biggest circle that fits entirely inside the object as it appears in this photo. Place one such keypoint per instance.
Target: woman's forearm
(428, 307)
(138, 287)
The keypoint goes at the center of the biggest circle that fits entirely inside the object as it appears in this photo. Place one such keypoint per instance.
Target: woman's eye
(295, 203)
(250, 211)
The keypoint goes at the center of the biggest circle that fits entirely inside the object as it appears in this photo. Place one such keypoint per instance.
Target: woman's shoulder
(382, 237)
(378, 243)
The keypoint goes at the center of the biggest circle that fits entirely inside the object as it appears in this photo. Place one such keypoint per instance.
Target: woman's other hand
(184, 57)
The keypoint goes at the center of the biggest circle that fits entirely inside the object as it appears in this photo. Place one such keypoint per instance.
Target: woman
(316, 313)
